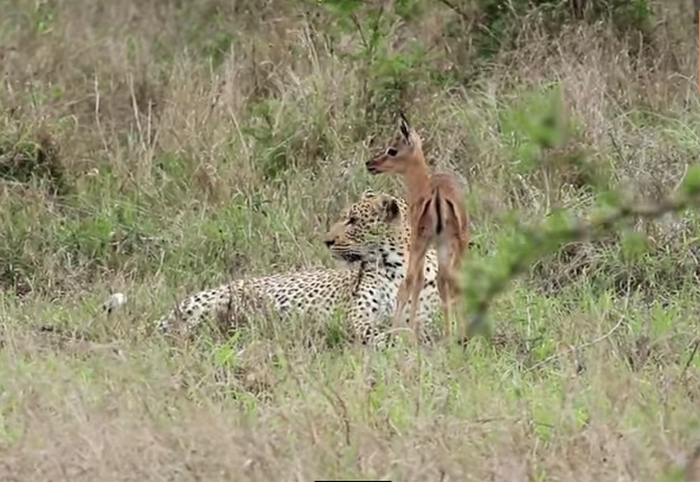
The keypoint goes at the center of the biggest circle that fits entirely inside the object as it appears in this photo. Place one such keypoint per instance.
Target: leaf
(342, 7)
(691, 182)
(634, 244)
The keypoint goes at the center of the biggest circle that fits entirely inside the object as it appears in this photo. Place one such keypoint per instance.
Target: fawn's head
(404, 152)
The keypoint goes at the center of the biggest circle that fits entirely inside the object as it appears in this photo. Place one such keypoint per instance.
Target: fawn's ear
(405, 128)
(390, 207)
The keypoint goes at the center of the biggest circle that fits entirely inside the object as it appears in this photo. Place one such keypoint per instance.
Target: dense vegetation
(160, 147)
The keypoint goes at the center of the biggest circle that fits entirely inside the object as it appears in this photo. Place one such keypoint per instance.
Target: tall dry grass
(160, 147)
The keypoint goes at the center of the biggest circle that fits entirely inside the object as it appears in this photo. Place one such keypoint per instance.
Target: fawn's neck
(417, 179)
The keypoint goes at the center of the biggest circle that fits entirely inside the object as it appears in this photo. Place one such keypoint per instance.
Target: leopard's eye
(352, 220)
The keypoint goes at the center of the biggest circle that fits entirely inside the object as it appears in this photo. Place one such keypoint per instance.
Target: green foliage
(282, 147)
(691, 182)
(387, 74)
(272, 141)
(524, 247)
(190, 143)
(501, 22)
(27, 158)
(536, 122)
(543, 143)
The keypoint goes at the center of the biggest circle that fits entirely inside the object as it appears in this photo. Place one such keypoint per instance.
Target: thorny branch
(579, 230)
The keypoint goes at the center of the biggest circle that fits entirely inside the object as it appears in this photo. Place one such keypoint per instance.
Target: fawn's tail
(445, 207)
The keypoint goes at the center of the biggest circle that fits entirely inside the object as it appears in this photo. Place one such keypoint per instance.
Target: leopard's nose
(329, 243)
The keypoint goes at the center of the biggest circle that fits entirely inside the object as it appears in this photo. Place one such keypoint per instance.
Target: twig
(695, 344)
(361, 31)
(580, 347)
(457, 10)
(617, 148)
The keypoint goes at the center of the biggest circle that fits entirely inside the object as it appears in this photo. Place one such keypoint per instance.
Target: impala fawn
(437, 215)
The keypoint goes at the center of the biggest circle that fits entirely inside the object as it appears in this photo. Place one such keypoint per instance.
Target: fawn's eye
(391, 152)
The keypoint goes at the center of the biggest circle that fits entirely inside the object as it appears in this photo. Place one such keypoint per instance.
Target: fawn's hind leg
(448, 287)
(412, 284)
(444, 292)
(460, 245)
(418, 280)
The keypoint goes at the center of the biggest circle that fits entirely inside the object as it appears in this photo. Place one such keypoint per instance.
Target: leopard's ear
(368, 193)
(390, 208)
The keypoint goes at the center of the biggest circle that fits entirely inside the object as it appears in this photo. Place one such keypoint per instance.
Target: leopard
(370, 240)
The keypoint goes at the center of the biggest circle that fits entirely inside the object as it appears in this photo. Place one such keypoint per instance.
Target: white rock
(116, 300)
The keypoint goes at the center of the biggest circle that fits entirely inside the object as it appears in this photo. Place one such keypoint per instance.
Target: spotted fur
(371, 238)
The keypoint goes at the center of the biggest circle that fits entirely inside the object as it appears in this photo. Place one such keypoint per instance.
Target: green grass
(157, 149)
